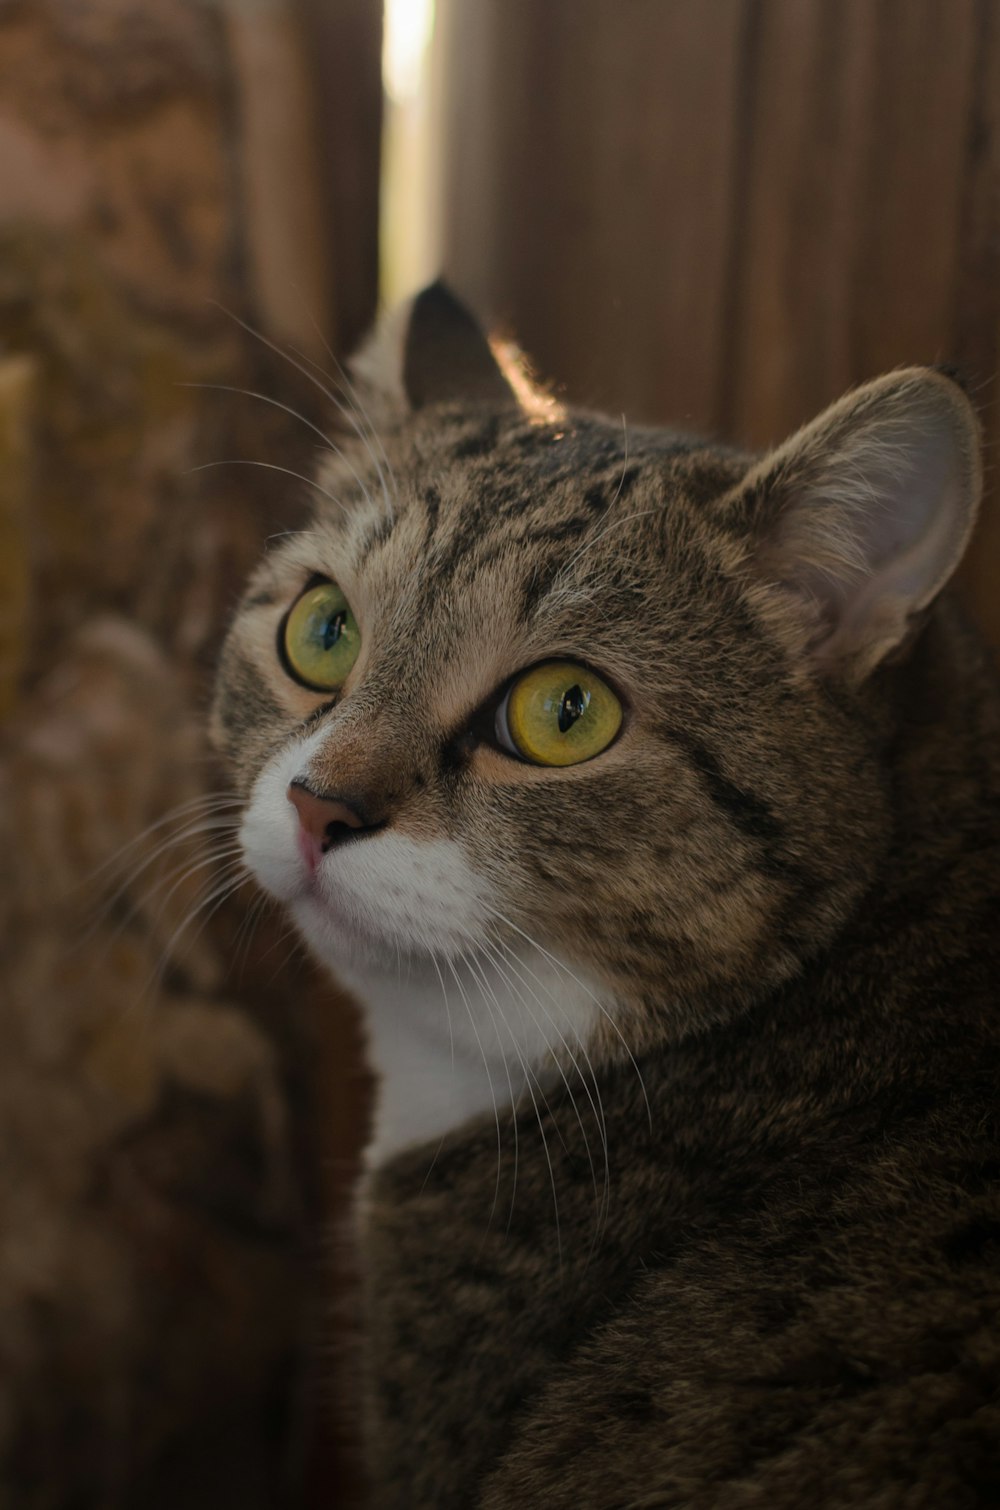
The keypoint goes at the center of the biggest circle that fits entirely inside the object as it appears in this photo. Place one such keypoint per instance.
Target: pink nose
(324, 821)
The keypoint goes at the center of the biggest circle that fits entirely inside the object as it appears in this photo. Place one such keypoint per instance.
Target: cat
(645, 792)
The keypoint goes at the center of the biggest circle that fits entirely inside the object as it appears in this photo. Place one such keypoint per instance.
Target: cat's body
(794, 1299)
(683, 1186)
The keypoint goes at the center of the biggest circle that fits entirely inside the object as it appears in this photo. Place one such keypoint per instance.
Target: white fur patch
(464, 1018)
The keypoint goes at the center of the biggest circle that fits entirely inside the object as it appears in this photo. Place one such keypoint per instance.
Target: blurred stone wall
(178, 1111)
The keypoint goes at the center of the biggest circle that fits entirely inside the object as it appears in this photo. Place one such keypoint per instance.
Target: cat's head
(537, 672)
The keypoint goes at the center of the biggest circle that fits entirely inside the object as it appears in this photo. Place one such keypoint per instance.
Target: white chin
(339, 941)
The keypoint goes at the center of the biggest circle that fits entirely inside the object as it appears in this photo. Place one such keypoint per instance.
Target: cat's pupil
(333, 628)
(573, 704)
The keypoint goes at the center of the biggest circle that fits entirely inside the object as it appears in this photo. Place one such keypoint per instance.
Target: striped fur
(732, 1240)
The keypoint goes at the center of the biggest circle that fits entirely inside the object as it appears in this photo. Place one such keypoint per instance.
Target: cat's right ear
(860, 519)
(429, 351)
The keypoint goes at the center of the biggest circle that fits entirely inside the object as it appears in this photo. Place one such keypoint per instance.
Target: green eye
(558, 714)
(321, 639)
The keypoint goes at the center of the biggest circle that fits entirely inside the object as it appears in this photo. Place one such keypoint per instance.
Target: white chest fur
(468, 1040)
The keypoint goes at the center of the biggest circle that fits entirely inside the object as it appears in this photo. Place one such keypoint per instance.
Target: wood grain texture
(344, 40)
(722, 216)
(976, 311)
(282, 195)
(557, 194)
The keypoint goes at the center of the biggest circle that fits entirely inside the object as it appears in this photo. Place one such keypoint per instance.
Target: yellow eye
(321, 638)
(558, 714)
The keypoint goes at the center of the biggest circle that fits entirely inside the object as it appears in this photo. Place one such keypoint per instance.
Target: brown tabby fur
(783, 1290)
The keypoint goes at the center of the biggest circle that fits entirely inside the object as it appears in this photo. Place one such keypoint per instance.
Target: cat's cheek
(268, 833)
(273, 858)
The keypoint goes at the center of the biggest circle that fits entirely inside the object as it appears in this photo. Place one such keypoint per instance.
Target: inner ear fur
(864, 514)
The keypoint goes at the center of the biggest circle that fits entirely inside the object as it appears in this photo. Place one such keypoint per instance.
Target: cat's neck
(452, 1043)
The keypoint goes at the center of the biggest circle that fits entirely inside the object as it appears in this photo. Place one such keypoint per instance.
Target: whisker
(538, 1116)
(264, 399)
(235, 876)
(621, 480)
(510, 1091)
(328, 443)
(301, 367)
(517, 964)
(223, 857)
(354, 402)
(451, 1038)
(245, 933)
(179, 879)
(154, 980)
(287, 957)
(489, 1081)
(268, 466)
(183, 809)
(194, 830)
(290, 932)
(206, 822)
(560, 965)
(616, 524)
(479, 947)
(506, 968)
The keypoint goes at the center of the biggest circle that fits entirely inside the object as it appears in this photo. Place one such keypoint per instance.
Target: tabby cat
(646, 794)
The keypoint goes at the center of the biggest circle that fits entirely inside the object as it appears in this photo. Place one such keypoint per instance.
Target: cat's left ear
(430, 351)
(861, 517)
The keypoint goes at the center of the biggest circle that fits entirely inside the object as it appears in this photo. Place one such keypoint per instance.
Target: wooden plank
(797, 244)
(344, 38)
(590, 189)
(904, 277)
(282, 210)
(976, 335)
(852, 235)
(723, 216)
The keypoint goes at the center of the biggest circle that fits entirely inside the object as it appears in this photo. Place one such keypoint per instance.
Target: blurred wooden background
(714, 213)
(181, 1100)
(722, 213)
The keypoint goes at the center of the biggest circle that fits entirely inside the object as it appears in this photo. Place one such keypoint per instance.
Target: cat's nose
(324, 821)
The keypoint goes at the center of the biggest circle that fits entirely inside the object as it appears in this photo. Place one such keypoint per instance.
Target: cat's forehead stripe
(479, 441)
(377, 535)
(509, 470)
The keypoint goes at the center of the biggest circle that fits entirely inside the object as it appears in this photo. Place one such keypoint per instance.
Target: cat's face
(709, 832)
